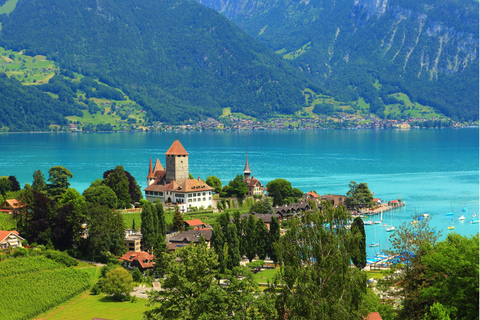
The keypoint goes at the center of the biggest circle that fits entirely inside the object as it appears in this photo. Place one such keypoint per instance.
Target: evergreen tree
(233, 247)
(178, 222)
(15, 184)
(240, 229)
(218, 242)
(261, 239)
(5, 186)
(250, 236)
(277, 198)
(359, 250)
(273, 237)
(160, 245)
(39, 184)
(58, 178)
(148, 227)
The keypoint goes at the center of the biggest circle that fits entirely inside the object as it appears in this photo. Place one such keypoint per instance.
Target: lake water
(434, 171)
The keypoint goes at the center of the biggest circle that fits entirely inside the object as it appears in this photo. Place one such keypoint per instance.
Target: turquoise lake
(434, 171)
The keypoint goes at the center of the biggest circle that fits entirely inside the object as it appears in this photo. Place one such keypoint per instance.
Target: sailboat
(374, 244)
(461, 218)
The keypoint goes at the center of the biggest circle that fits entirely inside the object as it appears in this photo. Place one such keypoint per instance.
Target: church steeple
(246, 170)
(150, 176)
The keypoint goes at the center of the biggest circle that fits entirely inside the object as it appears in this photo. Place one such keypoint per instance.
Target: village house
(335, 199)
(172, 183)
(196, 224)
(187, 237)
(10, 239)
(138, 260)
(290, 210)
(266, 217)
(11, 206)
(133, 241)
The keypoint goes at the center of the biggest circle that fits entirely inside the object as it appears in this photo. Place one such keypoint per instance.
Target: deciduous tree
(119, 283)
(58, 178)
(214, 182)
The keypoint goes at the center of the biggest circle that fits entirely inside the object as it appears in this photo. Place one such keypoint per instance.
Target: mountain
(427, 49)
(177, 59)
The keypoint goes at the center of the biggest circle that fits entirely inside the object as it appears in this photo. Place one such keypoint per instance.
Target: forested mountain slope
(427, 48)
(177, 59)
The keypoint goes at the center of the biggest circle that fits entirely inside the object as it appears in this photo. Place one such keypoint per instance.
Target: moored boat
(390, 229)
(451, 227)
(461, 218)
(474, 221)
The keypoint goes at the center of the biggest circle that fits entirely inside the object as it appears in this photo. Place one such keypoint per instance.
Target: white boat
(474, 221)
(389, 229)
(461, 218)
(378, 222)
(374, 244)
(426, 215)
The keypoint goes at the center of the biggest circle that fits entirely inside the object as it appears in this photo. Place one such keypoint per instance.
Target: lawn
(87, 307)
(266, 275)
(375, 274)
(8, 7)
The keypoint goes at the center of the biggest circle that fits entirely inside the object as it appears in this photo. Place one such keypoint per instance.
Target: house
(11, 206)
(312, 195)
(172, 183)
(133, 242)
(335, 199)
(187, 237)
(255, 187)
(10, 239)
(196, 223)
(292, 209)
(138, 260)
(373, 316)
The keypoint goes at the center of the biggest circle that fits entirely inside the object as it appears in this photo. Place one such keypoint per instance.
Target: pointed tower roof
(158, 166)
(176, 149)
(150, 171)
(247, 167)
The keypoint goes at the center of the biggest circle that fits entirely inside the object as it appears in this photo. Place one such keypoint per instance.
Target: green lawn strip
(93, 271)
(87, 307)
(8, 7)
(375, 274)
(266, 275)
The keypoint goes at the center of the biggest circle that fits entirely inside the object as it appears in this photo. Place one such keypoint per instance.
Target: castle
(172, 183)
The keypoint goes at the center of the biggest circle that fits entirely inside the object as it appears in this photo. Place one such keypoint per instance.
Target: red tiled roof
(144, 259)
(313, 194)
(195, 222)
(177, 149)
(373, 316)
(188, 185)
(5, 234)
(14, 203)
(158, 166)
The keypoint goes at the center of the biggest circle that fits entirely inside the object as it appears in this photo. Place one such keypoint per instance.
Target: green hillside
(426, 49)
(190, 63)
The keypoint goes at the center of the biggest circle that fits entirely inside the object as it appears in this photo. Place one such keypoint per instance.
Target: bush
(137, 275)
(96, 290)
(61, 257)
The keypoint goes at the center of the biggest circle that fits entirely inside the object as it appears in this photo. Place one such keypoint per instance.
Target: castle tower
(246, 172)
(176, 163)
(150, 176)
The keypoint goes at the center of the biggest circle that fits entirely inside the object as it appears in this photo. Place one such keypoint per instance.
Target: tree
(132, 188)
(237, 188)
(218, 243)
(359, 253)
(315, 267)
(192, 290)
(5, 186)
(58, 178)
(15, 184)
(280, 188)
(117, 180)
(409, 243)
(178, 222)
(215, 183)
(263, 206)
(273, 237)
(39, 183)
(261, 239)
(358, 196)
(101, 195)
(149, 235)
(234, 256)
(160, 248)
(119, 283)
(250, 238)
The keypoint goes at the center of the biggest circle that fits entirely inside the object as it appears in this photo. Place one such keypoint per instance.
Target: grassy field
(297, 53)
(266, 275)
(410, 109)
(87, 307)
(375, 274)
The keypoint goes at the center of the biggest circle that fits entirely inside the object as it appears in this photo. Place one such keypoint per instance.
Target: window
(204, 199)
(203, 193)
(209, 198)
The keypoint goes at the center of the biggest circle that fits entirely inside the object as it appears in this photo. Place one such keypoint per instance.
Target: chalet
(335, 199)
(292, 209)
(196, 223)
(138, 260)
(10, 239)
(187, 237)
(11, 206)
